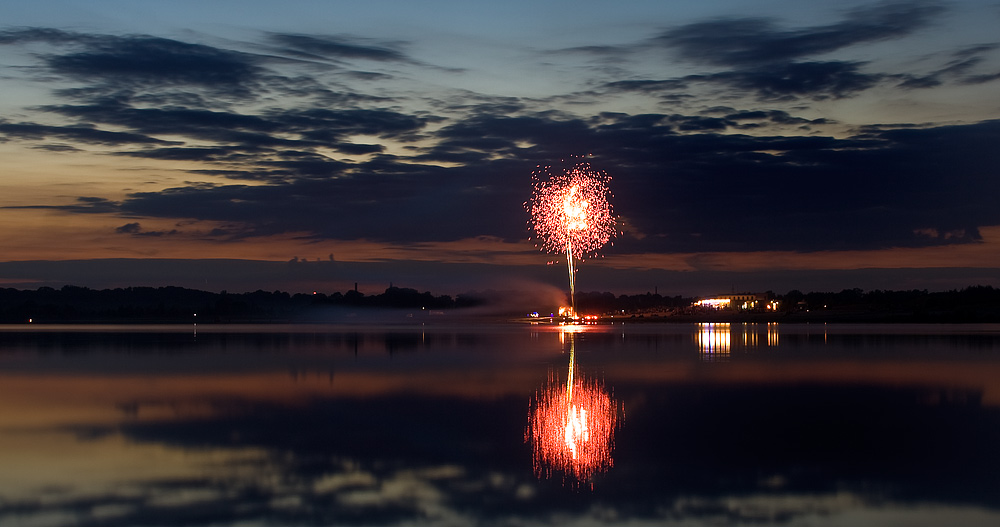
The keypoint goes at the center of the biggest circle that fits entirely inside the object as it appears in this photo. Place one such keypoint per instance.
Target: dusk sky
(305, 145)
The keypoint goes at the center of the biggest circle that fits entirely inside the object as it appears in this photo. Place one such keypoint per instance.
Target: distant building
(738, 302)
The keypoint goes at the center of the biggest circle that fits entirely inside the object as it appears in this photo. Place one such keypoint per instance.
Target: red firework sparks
(571, 428)
(571, 211)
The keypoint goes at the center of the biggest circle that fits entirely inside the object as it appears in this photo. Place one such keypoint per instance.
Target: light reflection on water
(716, 340)
(572, 423)
(320, 425)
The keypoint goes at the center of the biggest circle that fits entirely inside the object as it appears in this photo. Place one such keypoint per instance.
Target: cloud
(777, 63)
(415, 203)
(767, 191)
(162, 71)
(815, 80)
(868, 191)
(774, 82)
(308, 128)
(129, 228)
(113, 64)
(686, 182)
(136, 229)
(181, 154)
(81, 205)
(747, 42)
(42, 34)
(324, 162)
(85, 134)
(57, 148)
(276, 144)
(152, 60)
(762, 118)
(333, 47)
(646, 85)
(961, 66)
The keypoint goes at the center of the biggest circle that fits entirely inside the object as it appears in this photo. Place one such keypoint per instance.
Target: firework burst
(571, 213)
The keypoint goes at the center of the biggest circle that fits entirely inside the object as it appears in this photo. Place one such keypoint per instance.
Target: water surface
(647, 424)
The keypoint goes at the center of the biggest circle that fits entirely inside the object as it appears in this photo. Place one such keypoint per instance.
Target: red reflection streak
(571, 426)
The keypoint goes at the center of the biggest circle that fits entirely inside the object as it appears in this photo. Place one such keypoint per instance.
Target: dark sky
(771, 145)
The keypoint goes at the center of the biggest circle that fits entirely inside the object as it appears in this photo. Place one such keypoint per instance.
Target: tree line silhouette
(971, 304)
(181, 305)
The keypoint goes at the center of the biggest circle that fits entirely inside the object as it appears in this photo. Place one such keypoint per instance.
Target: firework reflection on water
(571, 425)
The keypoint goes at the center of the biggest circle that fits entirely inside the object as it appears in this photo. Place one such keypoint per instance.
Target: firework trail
(571, 213)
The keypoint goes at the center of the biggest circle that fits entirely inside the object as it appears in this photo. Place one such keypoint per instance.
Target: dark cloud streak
(756, 41)
(82, 205)
(815, 80)
(331, 47)
(82, 134)
(758, 56)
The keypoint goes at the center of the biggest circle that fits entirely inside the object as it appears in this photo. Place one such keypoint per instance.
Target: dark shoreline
(174, 305)
(817, 317)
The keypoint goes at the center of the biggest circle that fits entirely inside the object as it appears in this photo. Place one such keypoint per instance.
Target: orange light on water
(714, 338)
(571, 427)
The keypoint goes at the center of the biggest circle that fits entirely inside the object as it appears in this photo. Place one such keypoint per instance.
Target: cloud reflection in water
(306, 430)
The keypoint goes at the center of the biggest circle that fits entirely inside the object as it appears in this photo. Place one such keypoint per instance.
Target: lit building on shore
(738, 302)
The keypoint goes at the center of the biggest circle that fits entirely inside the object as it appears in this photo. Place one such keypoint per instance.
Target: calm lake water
(647, 424)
